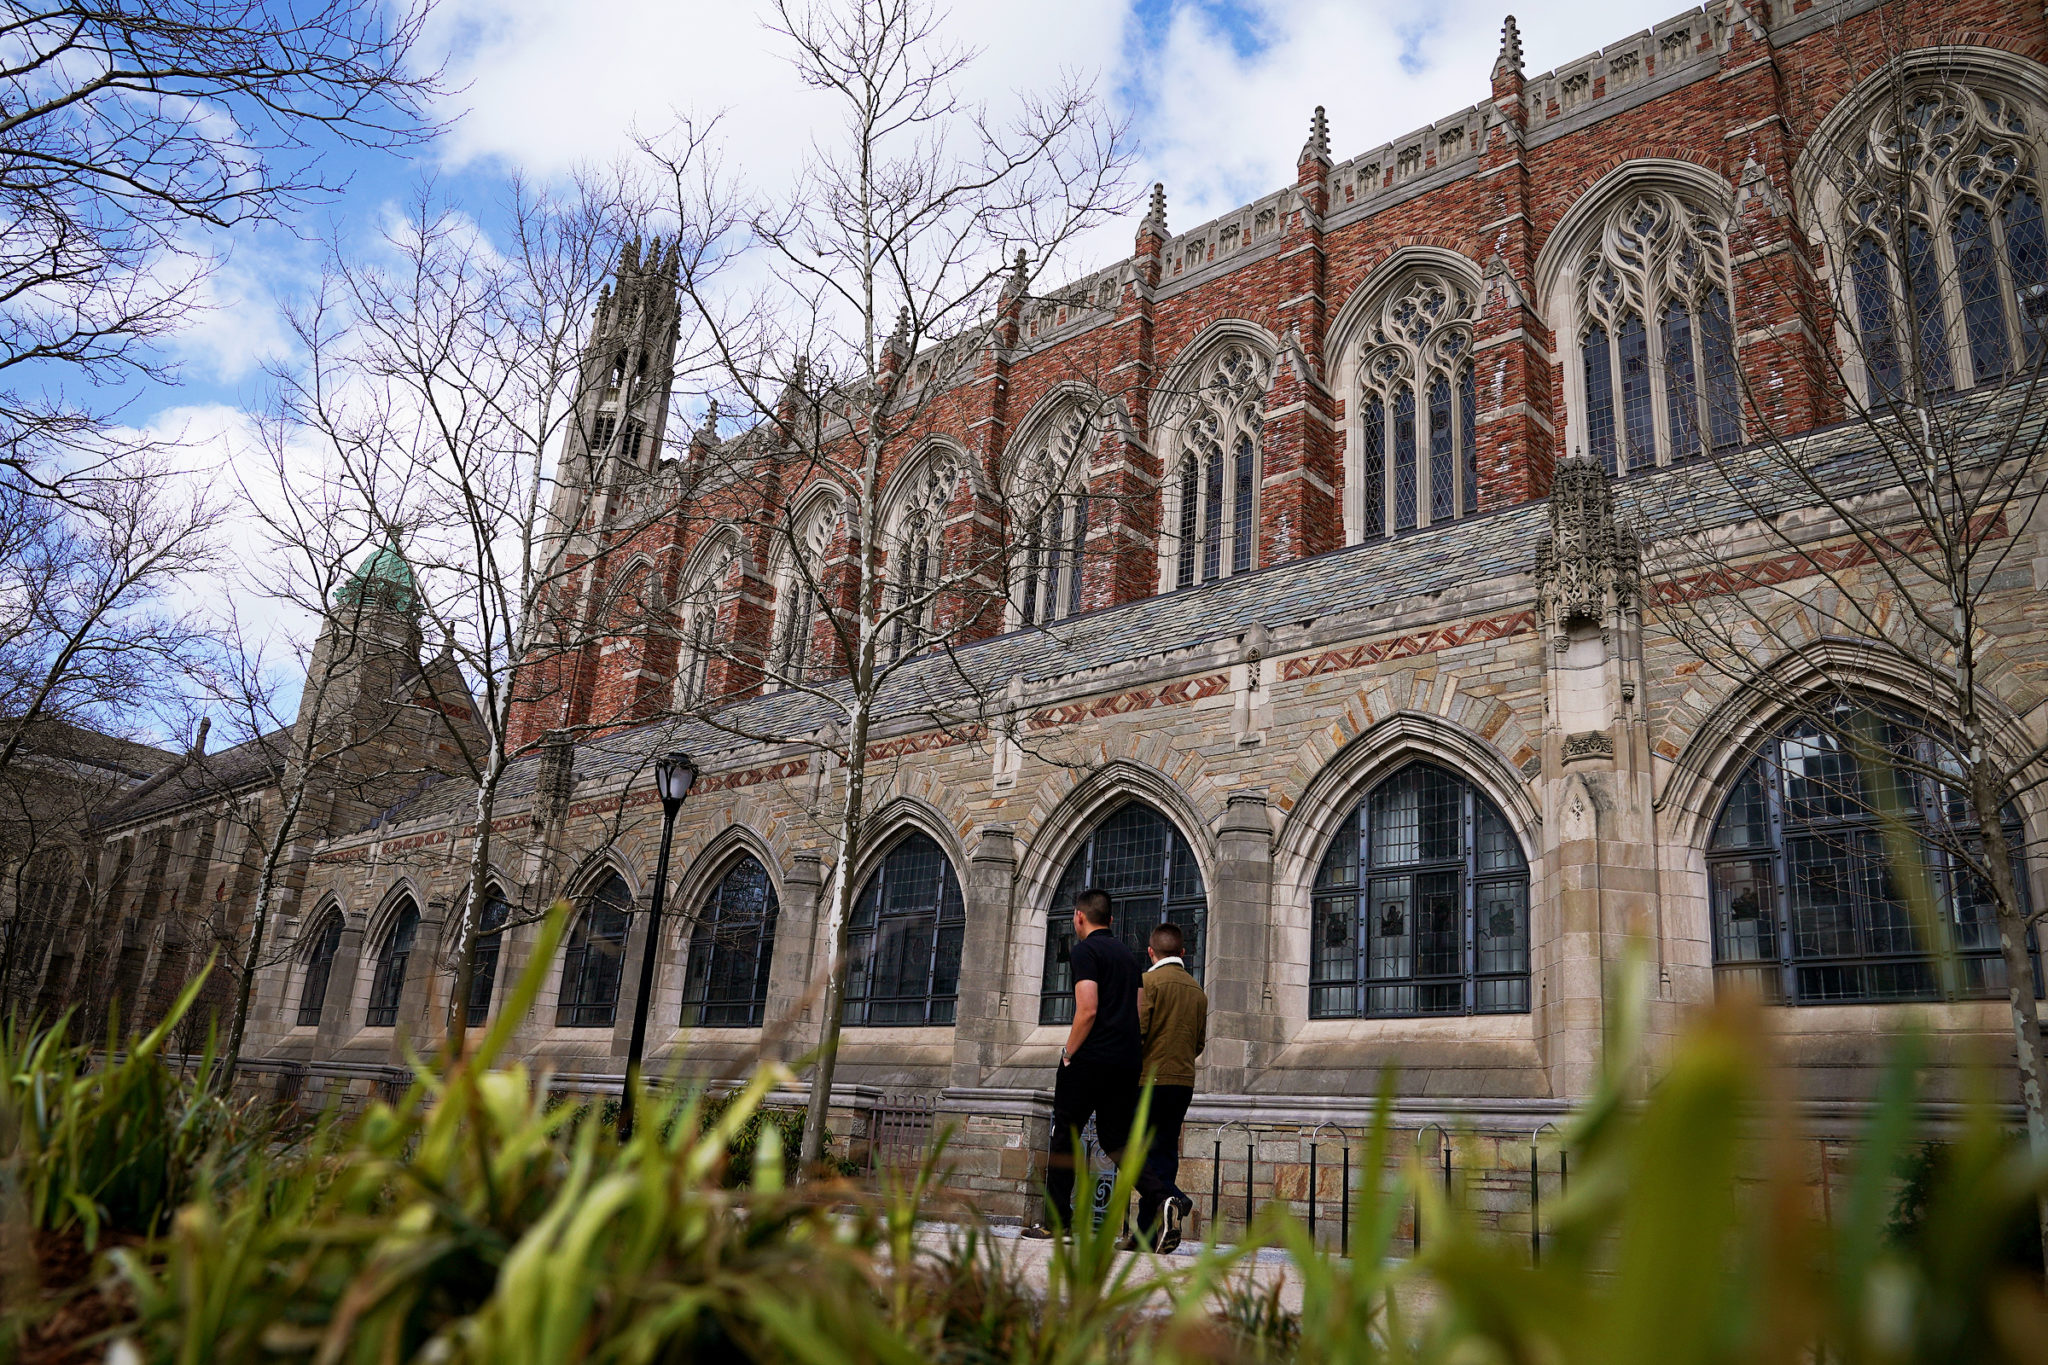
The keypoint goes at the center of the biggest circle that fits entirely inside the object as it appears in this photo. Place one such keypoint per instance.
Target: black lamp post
(674, 774)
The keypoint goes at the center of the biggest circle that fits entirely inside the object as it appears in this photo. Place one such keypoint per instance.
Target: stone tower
(621, 404)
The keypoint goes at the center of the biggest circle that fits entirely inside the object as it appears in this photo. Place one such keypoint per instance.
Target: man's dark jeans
(1083, 1089)
(1158, 1181)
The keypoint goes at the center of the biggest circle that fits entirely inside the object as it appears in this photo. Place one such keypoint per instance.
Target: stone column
(1301, 457)
(420, 1023)
(791, 1012)
(984, 955)
(629, 985)
(1602, 885)
(337, 1008)
(1515, 428)
(1236, 960)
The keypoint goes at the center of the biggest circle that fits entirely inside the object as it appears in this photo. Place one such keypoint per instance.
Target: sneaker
(1174, 1215)
(1038, 1232)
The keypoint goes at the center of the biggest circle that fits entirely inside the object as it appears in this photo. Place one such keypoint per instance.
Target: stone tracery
(1654, 338)
(1418, 460)
(1213, 517)
(1940, 216)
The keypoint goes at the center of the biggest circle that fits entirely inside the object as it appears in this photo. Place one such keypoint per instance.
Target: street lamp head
(674, 775)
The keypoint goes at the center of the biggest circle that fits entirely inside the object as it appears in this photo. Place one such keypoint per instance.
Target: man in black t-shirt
(1098, 1073)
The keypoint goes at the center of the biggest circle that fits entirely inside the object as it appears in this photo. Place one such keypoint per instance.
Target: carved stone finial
(1509, 63)
(1155, 216)
(1317, 148)
(709, 431)
(1589, 564)
(900, 338)
(1019, 276)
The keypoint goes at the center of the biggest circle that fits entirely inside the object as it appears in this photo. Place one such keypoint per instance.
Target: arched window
(1418, 460)
(917, 553)
(1944, 243)
(319, 966)
(1655, 344)
(904, 949)
(1213, 518)
(725, 984)
(1142, 860)
(1050, 540)
(592, 964)
(1835, 875)
(704, 599)
(799, 575)
(490, 943)
(388, 983)
(1421, 906)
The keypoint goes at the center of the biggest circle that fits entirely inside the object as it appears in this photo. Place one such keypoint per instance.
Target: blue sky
(1219, 94)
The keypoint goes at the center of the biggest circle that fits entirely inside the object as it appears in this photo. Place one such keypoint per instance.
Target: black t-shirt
(1108, 961)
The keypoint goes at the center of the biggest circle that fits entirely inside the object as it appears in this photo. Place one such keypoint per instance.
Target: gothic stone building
(1354, 679)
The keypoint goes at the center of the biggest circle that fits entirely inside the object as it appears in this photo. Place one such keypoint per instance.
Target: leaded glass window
(1656, 348)
(1217, 491)
(1417, 445)
(725, 982)
(1834, 875)
(319, 967)
(903, 952)
(490, 945)
(917, 554)
(704, 601)
(1421, 905)
(1941, 225)
(800, 574)
(594, 961)
(1145, 864)
(1049, 546)
(387, 985)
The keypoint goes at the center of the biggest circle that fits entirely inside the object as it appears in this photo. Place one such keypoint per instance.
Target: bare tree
(130, 131)
(1866, 583)
(445, 377)
(901, 256)
(89, 616)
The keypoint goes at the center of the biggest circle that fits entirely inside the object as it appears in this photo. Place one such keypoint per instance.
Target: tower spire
(1317, 148)
(1155, 216)
(1509, 63)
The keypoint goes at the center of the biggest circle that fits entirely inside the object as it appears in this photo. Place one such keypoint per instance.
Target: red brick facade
(1725, 98)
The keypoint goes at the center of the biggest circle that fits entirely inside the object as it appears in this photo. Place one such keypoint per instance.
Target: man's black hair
(1094, 906)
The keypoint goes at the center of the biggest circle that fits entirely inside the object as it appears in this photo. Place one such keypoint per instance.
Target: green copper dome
(383, 580)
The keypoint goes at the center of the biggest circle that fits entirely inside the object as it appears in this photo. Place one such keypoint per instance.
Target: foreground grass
(473, 1220)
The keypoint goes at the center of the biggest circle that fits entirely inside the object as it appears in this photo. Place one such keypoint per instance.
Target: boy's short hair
(1168, 940)
(1094, 906)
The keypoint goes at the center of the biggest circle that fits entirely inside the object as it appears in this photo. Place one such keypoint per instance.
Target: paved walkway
(1267, 1267)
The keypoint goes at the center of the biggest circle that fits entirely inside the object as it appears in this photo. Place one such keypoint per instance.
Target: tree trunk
(1986, 789)
(839, 925)
(266, 887)
(467, 919)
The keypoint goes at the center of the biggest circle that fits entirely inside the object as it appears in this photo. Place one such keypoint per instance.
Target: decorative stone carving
(1588, 744)
(1588, 565)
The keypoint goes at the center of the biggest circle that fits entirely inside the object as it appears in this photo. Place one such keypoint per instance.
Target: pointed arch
(797, 569)
(1722, 741)
(1402, 345)
(1375, 754)
(710, 863)
(1924, 182)
(1048, 467)
(1209, 421)
(909, 925)
(1063, 829)
(1638, 286)
(314, 955)
(918, 506)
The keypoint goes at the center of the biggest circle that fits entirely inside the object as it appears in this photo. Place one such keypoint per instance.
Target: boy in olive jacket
(1173, 1017)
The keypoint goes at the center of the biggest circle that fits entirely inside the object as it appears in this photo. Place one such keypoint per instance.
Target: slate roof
(206, 778)
(1462, 554)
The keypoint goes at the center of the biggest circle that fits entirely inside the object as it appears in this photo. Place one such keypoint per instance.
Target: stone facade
(1482, 609)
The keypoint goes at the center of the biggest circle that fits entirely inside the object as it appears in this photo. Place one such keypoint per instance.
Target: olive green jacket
(1173, 1017)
